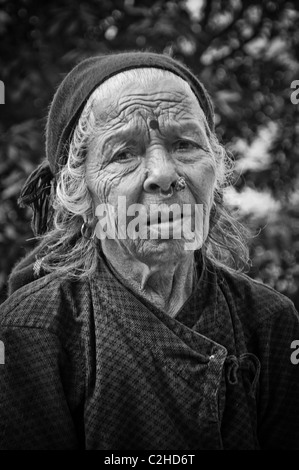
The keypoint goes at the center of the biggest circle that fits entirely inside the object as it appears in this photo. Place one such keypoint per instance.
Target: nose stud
(180, 184)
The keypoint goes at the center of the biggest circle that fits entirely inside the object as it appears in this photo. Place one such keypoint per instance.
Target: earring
(87, 231)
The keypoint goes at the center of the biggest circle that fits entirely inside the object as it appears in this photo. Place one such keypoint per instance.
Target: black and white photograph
(149, 227)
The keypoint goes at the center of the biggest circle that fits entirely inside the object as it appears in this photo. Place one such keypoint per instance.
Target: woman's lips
(168, 226)
(160, 218)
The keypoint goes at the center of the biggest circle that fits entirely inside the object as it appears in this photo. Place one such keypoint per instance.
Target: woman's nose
(161, 176)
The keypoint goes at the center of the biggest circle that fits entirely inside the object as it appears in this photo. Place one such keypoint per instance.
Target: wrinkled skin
(146, 139)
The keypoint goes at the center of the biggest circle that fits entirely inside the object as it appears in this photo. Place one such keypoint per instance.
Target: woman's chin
(158, 251)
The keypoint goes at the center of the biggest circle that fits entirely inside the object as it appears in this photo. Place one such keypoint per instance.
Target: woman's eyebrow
(129, 133)
(194, 129)
(120, 136)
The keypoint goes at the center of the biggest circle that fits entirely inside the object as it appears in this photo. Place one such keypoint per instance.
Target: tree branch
(223, 31)
(207, 13)
(243, 41)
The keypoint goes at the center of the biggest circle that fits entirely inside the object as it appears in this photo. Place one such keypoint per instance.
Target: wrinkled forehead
(144, 88)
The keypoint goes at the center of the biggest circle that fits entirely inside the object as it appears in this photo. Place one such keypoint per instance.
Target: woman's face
(146, 138)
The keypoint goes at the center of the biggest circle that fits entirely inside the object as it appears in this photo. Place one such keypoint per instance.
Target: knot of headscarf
(36, 193)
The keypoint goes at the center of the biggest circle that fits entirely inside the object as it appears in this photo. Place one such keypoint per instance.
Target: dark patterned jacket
(88, 365)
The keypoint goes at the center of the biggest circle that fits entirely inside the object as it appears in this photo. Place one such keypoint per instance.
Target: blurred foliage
(246, 52)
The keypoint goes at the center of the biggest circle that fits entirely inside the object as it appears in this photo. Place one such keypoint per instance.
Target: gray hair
(65, 250)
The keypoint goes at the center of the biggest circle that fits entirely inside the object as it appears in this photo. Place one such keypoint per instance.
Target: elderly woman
(116, 336)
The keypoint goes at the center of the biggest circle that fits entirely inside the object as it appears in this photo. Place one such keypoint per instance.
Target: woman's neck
(164, 285)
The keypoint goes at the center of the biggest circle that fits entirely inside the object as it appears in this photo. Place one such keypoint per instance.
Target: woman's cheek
(125, 183)
(107, 187)
(99, 186)
(201, 180)
(131, 186)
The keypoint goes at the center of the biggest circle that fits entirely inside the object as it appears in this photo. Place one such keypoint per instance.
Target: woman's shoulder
(46, 302)
(252, 299)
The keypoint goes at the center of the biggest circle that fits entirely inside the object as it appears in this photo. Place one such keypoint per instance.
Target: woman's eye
(185, 145)
(123, 156)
